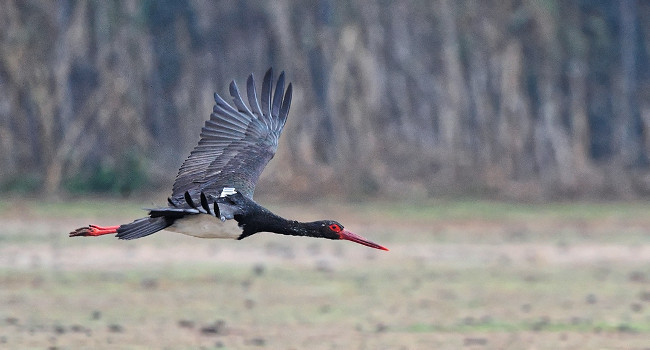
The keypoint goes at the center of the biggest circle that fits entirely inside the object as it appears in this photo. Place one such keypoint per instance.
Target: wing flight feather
(236, 142)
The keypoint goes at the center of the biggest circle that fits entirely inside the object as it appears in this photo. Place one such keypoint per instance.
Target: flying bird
(212, 196)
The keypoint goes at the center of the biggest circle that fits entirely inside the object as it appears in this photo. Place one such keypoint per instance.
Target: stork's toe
(82, 231)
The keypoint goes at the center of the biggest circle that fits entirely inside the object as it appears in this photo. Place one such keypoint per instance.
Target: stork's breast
(206, 226)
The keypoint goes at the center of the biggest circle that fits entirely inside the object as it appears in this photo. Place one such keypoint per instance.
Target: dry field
(460, 275)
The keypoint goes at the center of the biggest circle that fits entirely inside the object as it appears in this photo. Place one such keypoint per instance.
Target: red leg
(94, 230)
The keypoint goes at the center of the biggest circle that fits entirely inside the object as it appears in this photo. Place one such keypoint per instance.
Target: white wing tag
(227, 191)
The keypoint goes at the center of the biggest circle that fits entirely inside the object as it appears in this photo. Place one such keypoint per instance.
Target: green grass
(491, 210)
(88, 208)
(405, 211)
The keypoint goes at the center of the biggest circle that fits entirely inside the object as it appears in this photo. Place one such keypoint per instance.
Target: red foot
(94, 230)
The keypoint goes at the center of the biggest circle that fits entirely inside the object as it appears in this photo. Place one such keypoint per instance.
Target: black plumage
(236, 144)
(217, 181)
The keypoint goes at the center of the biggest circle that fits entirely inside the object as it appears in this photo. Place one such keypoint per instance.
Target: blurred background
(501, 99)
(499, 148)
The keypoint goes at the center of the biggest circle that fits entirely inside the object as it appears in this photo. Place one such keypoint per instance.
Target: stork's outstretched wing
(236, 142)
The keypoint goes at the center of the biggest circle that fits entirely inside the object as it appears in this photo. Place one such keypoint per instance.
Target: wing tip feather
(286, 104)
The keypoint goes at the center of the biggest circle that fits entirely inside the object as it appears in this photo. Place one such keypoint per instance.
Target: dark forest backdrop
(516, 98)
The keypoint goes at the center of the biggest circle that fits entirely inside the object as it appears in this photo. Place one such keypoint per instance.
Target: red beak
(347, 235)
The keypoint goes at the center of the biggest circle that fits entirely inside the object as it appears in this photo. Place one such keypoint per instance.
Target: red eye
(335, 228)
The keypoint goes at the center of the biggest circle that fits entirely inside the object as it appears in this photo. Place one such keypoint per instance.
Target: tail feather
(143, 227)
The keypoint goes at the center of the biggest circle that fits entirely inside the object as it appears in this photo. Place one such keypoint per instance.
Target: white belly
(206, 226)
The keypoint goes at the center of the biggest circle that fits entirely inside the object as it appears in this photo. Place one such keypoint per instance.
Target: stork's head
(333, 230)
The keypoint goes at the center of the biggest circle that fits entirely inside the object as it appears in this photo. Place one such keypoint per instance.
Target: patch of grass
(89, 208)
(436, 210)
(171, 291)
(496, 210)
(84, 207)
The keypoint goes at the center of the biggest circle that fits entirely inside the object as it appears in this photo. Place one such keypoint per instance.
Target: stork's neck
(263, 220)
(254, 218)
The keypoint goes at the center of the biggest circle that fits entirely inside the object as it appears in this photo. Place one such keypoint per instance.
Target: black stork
(215, 184)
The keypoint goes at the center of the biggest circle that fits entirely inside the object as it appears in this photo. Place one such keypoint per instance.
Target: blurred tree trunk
(553, 151)
(627, 132)
(453, 105)
(524, 99)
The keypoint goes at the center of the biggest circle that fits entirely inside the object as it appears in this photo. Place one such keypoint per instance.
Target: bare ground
(537, 278)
